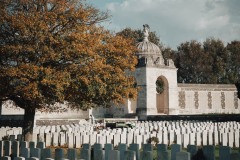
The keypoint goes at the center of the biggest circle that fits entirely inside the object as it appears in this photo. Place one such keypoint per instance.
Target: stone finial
(146, 29)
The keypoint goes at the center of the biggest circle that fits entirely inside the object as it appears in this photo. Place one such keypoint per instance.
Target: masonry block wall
(207, 99)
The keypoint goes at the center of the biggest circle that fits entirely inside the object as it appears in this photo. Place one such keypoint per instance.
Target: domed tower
(156, 78)
(149, 54)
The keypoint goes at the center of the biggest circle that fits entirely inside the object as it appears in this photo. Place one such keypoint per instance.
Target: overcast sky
(176, 21)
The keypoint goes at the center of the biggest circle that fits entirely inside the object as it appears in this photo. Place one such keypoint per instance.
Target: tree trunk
(0, 107)
(28, 124)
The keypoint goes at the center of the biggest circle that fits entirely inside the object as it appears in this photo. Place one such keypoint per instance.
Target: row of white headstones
(179, 132)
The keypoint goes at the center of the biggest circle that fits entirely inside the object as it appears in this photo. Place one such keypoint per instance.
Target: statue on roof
(146, 30)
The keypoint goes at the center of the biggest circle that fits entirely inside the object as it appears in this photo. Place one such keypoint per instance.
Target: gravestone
(6, 158)
(113, 155)
(85, 154)
(107, 147)
(216, 137)
(224, 138)
(192, 149)
(235, 156)
(122, 148)
(135, 148)
(15, 148)
(85, 138)
(224, 153)
(160, 137)
(93, 138)
(48, 139)
(59, 154)
(98, 154)
(230, 139)
(34, 137)
(41, 145)
(161, 147)
(146, 155)
(210, 138)
(185, 140)
(101, 139)
(179, 139)
(209, 152)
(164, 155)
(147, 147)
(24, 144)
(236, 141)
(116, 139)
(109, 138)
(32, 144)
(86, 146)
(138, 140)
(1, 148)
(12, 137)
(35, 152)
(129, 138)
(46, 153)
(145, 138)
(70, 141)
(78, 141)
(183, 156)
(192, 139)
(123, 138)
(72, 153)
(62, 138)
(171, 137)
(165, 137)
(174, 149)
(199, 139)
(205, 138)
(129, 155)
(25, 152)
(55, 139)
(7, 148)
(41, 137)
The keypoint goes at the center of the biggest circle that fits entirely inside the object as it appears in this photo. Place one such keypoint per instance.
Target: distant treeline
(208, 62)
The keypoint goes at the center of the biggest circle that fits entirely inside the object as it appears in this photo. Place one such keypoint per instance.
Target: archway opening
(162, 95)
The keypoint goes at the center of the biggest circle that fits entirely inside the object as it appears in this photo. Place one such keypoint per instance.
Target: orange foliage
(55, 51)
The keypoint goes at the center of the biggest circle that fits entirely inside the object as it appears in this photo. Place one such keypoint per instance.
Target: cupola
(149, 54)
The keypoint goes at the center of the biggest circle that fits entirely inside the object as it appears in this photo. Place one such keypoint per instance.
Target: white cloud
(177, 21)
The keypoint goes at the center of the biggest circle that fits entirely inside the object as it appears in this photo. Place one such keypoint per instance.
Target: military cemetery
(71, 90)
(177, 140)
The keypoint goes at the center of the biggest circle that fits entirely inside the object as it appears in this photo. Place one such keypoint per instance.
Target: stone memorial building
(172, 98)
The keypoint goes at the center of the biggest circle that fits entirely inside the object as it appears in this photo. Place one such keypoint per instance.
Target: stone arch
(162, 99)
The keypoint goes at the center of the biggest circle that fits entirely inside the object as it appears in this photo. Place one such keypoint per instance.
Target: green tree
(189, 61)
(137, 36)
(169, 53)
(217, 58)
(55, 51)
(233, 63)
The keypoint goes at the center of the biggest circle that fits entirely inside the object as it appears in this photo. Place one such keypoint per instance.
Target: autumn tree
(55, 51)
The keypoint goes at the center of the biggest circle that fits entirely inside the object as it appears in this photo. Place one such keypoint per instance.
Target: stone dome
(149, 54)
(148, 48)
